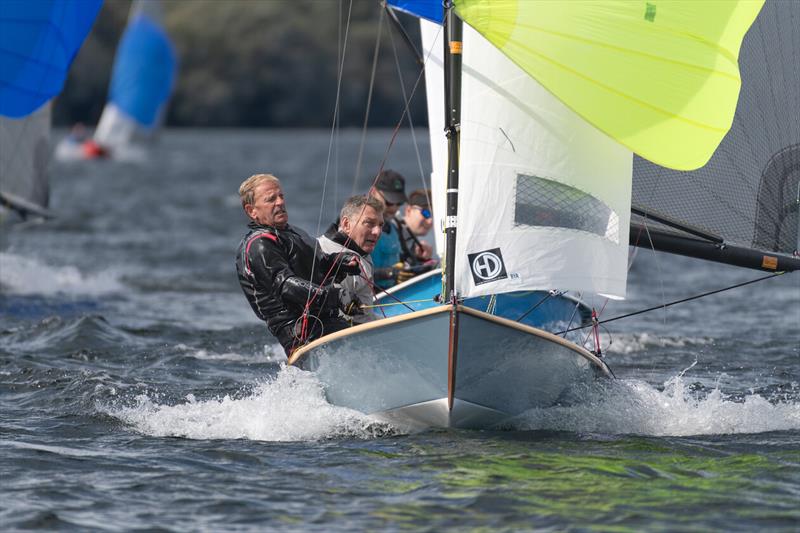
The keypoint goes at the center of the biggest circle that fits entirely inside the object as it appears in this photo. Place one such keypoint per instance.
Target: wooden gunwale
(300, 352)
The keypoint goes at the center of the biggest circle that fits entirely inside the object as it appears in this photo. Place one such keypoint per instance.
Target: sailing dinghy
(142, 80)
(38, 41)
(543, 105)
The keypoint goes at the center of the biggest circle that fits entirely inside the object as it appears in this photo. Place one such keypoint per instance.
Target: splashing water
(637, 408)
(290, 407)
(23, 275)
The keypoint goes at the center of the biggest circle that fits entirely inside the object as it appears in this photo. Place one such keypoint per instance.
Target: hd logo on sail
(487, 266)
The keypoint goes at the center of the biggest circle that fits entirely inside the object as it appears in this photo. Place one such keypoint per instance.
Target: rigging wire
(537, 304)
(309, 297)
(669, 304)
(407, 104)
(375, 55)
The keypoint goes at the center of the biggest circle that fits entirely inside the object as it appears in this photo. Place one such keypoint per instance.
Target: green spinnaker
(659, 76)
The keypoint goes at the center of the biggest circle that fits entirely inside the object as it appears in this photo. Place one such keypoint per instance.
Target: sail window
(549, 203)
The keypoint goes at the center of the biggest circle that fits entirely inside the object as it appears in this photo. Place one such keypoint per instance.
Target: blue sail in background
(144, 70)
(427, 9)
(38, 41)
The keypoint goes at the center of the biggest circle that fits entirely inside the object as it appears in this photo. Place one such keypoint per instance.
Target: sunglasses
(424, 211)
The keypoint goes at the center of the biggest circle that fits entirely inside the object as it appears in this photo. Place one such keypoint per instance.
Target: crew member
(416, 223)
(360, 223)
(286, 280)
(390, 189)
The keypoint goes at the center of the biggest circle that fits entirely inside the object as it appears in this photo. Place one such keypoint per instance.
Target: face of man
(268, 207)
(389, 209)
(364, 228)
(414, 217)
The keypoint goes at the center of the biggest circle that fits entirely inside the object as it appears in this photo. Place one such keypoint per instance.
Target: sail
(426, 9)
(544, 197)
(24, 159)
(660, 77)
(142, 78)
(748, 193)
(38, 41)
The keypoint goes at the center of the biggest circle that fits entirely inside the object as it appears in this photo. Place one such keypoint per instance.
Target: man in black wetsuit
(281, 271)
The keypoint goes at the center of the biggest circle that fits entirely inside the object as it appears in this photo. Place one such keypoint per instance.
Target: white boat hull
(412, 372)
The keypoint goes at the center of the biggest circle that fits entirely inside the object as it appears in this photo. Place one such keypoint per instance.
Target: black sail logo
(487, 266)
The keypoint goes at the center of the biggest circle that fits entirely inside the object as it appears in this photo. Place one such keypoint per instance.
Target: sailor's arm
(270, 266)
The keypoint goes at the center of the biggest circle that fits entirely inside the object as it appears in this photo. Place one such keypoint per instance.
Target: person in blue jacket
(390, 189)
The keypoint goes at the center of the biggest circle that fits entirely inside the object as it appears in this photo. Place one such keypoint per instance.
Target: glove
(401, 273)
(345, 265)
(331, 301)
(353, 307)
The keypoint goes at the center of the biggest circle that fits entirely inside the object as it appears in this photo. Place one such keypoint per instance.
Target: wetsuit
(357, 289)
(275, 272)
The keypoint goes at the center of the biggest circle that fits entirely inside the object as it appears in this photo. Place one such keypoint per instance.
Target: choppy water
(137, 391)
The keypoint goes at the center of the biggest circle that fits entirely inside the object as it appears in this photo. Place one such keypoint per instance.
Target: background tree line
(259, 63)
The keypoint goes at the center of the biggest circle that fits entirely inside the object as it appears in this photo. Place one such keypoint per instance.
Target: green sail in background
(661, 77)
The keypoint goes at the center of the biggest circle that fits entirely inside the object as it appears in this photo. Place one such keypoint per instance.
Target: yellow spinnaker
(659, 76)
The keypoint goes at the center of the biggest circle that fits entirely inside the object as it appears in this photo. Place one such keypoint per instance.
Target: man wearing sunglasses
(390, 189)
(416, 223)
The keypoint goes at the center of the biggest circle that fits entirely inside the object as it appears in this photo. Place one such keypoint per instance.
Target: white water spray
(291, 407)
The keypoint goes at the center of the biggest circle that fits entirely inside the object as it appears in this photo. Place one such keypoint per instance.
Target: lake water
(138, 391)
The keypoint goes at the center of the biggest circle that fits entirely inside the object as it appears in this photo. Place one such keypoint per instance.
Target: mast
(453, 44)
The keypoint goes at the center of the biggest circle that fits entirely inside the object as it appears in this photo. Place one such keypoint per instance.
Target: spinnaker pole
(453, 44)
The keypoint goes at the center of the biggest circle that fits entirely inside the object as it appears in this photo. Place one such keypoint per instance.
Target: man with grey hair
(288, 282)
(360, 227)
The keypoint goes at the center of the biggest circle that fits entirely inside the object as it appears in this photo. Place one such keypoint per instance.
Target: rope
(695, 297)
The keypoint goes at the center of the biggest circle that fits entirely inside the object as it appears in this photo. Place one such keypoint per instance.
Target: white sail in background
(544, 197)
(24, 159)
(142, 80)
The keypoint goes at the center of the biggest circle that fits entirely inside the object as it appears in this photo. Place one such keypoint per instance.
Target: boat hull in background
(405, 370)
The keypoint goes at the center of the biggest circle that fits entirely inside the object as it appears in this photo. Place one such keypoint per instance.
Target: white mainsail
(544, 197)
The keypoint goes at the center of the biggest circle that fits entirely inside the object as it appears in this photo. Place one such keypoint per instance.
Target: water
(138, 391)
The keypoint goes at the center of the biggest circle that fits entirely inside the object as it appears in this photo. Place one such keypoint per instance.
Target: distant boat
(142, 80)
(38, 41)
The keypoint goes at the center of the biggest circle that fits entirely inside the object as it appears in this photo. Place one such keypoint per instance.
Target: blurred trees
(259, 63)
